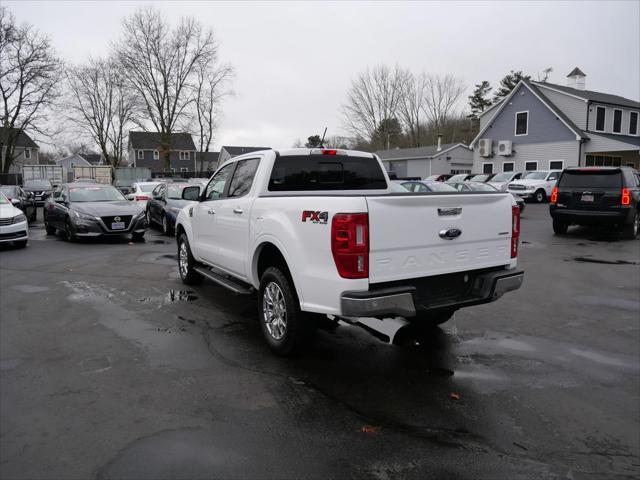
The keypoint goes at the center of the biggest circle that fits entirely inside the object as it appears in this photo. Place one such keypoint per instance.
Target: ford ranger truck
(321, 232)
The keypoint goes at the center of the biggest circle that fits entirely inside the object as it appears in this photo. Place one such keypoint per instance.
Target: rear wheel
(285, 327)
(630, 231)
(540, 196)
(186, 262)
(165, 225)
(69, 234)
(560, 228)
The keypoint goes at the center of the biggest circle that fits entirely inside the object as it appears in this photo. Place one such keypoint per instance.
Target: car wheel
(137, 237)
(285, 327)
(34, 215)
(540, 196)
(20, 244)
(560, 228)
(630, 231)
(186, 262)
(48, 228)
(68, 232)
(165, 226)
(149, 222)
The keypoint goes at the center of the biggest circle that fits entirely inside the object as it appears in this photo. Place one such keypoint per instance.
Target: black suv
(597, 196)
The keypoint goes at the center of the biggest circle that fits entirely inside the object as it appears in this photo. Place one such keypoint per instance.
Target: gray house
(546, 126)
(425, 161)
(26, 151)
(227, 152)
(207, 161)
(145, 151)
(67, 164)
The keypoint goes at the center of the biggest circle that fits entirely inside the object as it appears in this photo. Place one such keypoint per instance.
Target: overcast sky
(294, 61)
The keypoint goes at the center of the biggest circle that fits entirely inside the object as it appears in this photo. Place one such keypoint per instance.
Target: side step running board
(234, 286)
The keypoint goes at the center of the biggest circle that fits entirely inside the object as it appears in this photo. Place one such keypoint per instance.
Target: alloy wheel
(183, 259)
(275, 311)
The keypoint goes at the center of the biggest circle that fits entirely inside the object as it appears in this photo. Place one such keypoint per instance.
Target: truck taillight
(626, 197)
(141, 197)
(554, 195)
(350, 244)
(515, 230)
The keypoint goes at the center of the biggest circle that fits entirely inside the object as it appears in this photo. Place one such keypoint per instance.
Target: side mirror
(15, 201)
(131, 197)
(191, 193)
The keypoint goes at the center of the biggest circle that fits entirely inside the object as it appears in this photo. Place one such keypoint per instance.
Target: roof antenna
(322, 141)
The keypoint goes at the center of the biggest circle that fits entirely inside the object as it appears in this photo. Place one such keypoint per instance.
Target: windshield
(8, 189)
(432, 177)
(481, 187)
(175, 191)
(44, 184)
(502, 177)
(94, 194)
(3, 199)
(396, 187)
(440, 187)
(479, 178)
(147, 188)
(457, 178)
(536, 175)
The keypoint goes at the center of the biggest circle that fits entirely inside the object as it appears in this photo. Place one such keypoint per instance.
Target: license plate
(117, 225)
(586, 198)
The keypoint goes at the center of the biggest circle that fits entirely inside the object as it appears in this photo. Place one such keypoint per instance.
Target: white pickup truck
(320, 231)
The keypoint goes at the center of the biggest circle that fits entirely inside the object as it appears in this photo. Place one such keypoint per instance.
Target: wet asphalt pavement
(111, 368)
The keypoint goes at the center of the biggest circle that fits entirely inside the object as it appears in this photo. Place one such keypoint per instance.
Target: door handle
(211, 212)
(238, 210)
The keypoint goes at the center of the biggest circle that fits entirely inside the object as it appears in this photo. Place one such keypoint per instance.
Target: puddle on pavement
(603, 261)
(159, 258)
(157, 242)
(171, 296)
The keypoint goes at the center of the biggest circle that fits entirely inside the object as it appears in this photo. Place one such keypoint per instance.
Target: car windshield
(396, 187)
(3, 199)
(536, 176)
(440, 187)
(479, 178)
(481, 187)
(432, 177)
(457, 178)
(94, 194)
(175, 191)
(148, 187)
(8, 189)
(44, 184)
(502, 177)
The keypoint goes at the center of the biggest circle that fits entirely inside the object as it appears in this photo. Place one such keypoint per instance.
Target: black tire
(186, 263)
(289, 329)
(20, 244)
(34, 216)
(137, 237)
(630, 231)
(149, 221)
(68, 232)
(560, 228)
(540, 196)
(166, 229)
(48, 228)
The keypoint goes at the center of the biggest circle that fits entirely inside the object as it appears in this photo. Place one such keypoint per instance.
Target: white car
(501, 180)
(141, 192)
(13, 224)
(535, 185)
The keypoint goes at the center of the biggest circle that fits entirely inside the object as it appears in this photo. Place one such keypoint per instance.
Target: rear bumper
(585, 217)
(408, 301)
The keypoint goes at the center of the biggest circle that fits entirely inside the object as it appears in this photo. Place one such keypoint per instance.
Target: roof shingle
(235, 151)
(151, 141)
(23, 139)
(597, 97)
(427, 151)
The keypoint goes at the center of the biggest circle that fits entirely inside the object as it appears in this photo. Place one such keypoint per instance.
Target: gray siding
(544, 126)
(608, 123)
(457, 158)
(158, 164)
(574, 108)
(598, 143)
(540, 152)
(484, 119)
(19, 158)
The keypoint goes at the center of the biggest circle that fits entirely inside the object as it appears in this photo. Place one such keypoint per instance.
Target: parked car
(485, 187)
(607, 196)
(22, 200)
(438, 178)
(482, 177)
(165, 203)
(84, 180)
(461, 177)
(536, 185)
(316, 233)
(501, 180)
(141, 192)
(92, 210)
(41, 189)
(396, 187)
(426, 186)
(13, 224)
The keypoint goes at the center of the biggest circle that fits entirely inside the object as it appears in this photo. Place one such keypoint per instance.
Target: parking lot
(111, 368)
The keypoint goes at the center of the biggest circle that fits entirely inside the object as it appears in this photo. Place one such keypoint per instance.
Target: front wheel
(285, 327)
(70, 236)
(540, 196)
(560, 228)
(630, 231)
(165, 226)
(186, 262)
(48, 228)
(20, 244)
(137, 237)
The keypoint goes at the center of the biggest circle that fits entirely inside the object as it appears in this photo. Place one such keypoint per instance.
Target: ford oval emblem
(450, 233)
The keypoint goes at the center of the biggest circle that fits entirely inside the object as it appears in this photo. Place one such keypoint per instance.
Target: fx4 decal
(315, 217)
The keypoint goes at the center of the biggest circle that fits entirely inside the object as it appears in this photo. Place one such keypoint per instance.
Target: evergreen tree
(388, 134)
(313, 141)
(479, 101)
(508, 83)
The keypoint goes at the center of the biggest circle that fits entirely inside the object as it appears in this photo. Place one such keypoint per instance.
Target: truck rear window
(591, 179)
(336, 172)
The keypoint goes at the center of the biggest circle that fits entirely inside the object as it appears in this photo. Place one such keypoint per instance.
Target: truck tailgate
(405, 241)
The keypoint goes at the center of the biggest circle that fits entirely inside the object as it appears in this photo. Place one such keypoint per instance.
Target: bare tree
(161, 65)
(29, 72)
(211, 87)
(413, 97)
(441, 96)
(100, 106)
(374, 96)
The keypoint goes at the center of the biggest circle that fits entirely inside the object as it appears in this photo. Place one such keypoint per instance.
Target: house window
(633, 123)
(487, 167)
(156, 155)
(617, 121)
(603, 161)
(508, 166)
(184, 169)
(556, 164)
(140, 154)
(531, 166)
(27, 153)
(601, 113)
(184, 155)
(522, 123)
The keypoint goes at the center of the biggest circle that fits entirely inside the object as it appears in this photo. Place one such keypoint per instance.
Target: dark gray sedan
(165, 204)
(91, 210)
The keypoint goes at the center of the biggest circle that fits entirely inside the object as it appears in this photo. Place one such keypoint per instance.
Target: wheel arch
(268, 254)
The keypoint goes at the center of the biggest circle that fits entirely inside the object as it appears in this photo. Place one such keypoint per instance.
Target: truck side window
(216, 186)
(243, 177)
